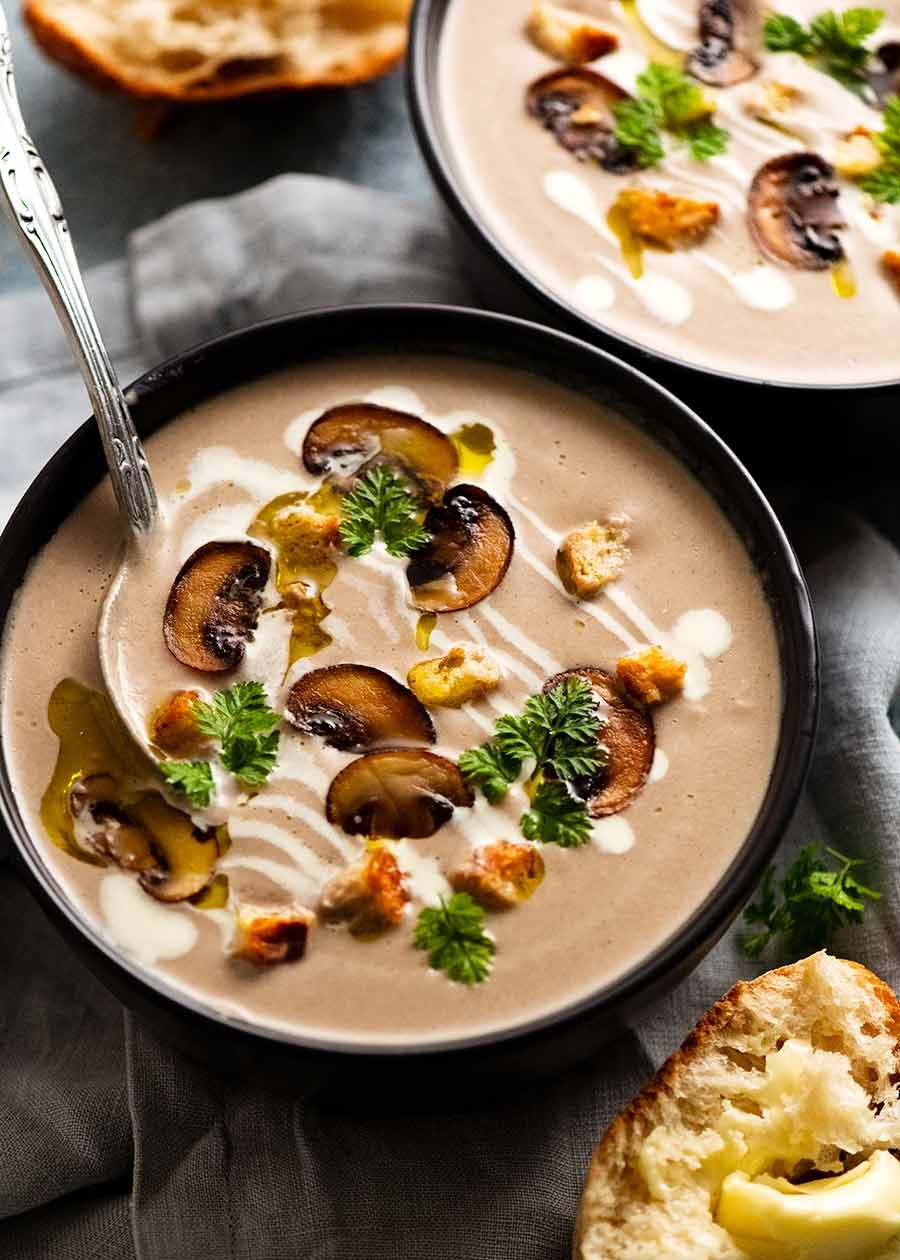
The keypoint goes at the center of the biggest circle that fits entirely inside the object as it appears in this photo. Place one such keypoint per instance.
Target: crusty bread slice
(651, 1190)
(201, 50)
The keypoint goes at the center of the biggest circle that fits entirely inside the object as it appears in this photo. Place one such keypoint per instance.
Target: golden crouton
(652, 675)
(369, 896)
(771, 102)
(658, 219)
(890, 261)
(173, 727)
(463, 674)
(591, 557)
(571, 37)
(265, 936)
(499, 875)
(856, 155)
(306, 537)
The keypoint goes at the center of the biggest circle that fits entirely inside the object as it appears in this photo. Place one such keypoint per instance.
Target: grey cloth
(111, 1144)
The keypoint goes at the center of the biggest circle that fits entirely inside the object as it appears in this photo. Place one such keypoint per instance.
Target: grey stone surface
(112, 180)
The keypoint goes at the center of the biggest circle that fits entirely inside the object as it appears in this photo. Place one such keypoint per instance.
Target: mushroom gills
(347, 441)
(396, 794)
(471, 545)
(576, 106)
(730, 33)
(353, 707)
(794, 213)
(627, 738)
(213, 606)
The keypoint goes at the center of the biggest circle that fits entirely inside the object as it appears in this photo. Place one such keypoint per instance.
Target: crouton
(771, 102)
(173, 727)
(666, 222)
(856, 155)
(890, 262)
(652, 675)
(572, 37)
(463, 674)
(265, 936)
(370, 896)
(595, 555)
(305, 536)
(499, 875)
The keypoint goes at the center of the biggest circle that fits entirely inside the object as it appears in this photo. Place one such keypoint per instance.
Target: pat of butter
(850, 1217)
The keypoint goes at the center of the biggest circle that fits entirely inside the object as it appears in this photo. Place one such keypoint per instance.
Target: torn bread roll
(767, 1135)
(202, 50)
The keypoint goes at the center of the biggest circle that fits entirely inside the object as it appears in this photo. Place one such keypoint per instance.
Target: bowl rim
(426, 28)
(157, 397)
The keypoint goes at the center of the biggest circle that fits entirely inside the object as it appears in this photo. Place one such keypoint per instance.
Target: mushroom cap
(628, 738)
(883, 74)
(353, 707)
(729, 34)
(471, 545)
(576, 105)
(213, 606)
(794, 213)
(346, 441)
(396, 793)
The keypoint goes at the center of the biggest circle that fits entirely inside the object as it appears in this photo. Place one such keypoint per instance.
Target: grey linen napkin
(111, 1145)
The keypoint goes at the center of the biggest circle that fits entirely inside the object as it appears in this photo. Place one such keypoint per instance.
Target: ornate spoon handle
(34, 209)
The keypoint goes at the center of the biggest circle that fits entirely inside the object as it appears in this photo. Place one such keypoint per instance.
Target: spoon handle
(33, 207)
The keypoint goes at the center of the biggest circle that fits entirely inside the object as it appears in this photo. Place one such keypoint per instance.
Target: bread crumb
(571, 37)
(499, 875)
(465, 673)
(652, 675)
(591, 557)
(668, 222)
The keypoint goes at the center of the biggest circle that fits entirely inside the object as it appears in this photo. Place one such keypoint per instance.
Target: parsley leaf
(834, 42)
(815, 900)
(193, 779)
(454, 935)
(884, 183)
(559, 731)
(667, 100)
(252, 759)
(556, 817)
(240, 719)
(381, 504)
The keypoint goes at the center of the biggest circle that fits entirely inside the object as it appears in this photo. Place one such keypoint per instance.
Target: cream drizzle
(140, 926)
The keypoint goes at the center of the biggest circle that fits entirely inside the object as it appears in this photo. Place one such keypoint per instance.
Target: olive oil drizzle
(843, 281)
(475, 445)
(424, 630)
(632, 248)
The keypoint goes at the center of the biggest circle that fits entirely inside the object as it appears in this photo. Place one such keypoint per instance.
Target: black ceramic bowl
(507, 281)
(572, 1032)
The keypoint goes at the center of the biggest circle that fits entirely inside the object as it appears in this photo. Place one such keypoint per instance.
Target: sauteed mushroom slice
(213, 606)
(186, 856)
(104, 830)
(576, 105)
(396, 793)
(728, 36)
(472, 540)
(347, 441)
(628, 738)
(352, 707)
(794, 212)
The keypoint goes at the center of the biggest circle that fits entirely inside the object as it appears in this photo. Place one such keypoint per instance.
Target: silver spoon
(33, 207)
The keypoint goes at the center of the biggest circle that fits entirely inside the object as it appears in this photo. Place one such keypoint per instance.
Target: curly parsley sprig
(381, 504)
(809, 904)
(884, 183)
(667, 100)
(559, 731)
(833, 42)
(239, 719)
(454, 935)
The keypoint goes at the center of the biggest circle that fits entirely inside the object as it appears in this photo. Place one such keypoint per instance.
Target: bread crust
(61, 43)
(704, 1035)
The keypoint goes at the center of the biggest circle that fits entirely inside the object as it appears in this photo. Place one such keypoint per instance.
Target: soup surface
(184, 898)
(695, 283)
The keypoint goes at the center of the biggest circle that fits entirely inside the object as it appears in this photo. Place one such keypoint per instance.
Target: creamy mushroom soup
(715, 181)
(453, 695)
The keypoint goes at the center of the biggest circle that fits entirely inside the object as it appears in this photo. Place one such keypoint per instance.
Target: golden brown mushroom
(729, 34)
(576, 106)
(213, 606)
(395, 793)
(794, 213)
(471, 545)
(353, 707)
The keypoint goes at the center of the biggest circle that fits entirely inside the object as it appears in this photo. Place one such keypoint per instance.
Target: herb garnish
(833, 42)
(559, 731)
(193, 779)
(884, 183)
(667, 100)
(381, 504)
(454, 935)
(815, 901)
(240, 720)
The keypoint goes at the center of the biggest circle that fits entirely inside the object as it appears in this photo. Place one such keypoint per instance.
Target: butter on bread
(790, 1074)
(202, 50)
